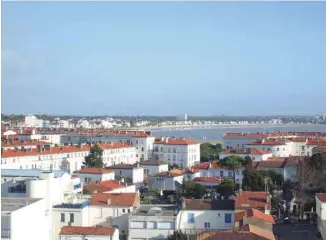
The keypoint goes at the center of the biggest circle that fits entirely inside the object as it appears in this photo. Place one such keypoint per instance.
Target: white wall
(214, 217)
(92, 178)
(151, 170)
(126, 189)
(276, 150)
(143, 147)
(31, 222)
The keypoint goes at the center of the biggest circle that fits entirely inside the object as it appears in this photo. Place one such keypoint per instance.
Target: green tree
(173, 166)
(253, 180)
(178, 235)
(226, 188)
(191, 189)
(232, 161)
(275, 176)
(209, 151)
(94, 158)
(247, 162)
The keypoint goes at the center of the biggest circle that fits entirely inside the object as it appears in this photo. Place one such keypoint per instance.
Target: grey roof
(205, 204)
(156, 210)
(28, 172)
(10, 204)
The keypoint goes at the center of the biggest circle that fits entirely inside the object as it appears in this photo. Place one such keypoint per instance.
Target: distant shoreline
(212, 126)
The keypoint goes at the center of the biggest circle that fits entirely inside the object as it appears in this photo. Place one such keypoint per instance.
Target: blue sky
(164, 58)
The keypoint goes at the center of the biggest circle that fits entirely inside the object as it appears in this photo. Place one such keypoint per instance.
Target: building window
(228, 218)
(72, 217)
(221, 173)
(174, 150)
(142, 149)
(174, 157)
(129, 210)
(136, 141)
(123, 210)
(191, 218)
(207, 225)
(218, 214)
(230, 174)
(62, 217)
(161, 149)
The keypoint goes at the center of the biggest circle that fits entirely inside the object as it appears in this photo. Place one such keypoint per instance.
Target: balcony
(5, 233)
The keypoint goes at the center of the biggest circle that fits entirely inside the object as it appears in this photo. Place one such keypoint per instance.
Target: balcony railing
(77, 186)
(17, 189)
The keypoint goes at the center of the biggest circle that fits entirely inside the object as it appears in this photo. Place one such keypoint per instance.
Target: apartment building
(157, 221)
(68, 158)
(21, 145)
(278, 148)
(16, 221)
(113, 209)
(202, 214)
(321, 214)
(256, 155)
(183, 152)
(89, 233)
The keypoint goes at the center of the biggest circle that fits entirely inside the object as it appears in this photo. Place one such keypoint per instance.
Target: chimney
(95, 191)
(166, 139)
(109, 201)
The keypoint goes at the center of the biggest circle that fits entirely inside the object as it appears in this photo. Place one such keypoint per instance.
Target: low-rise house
(274, 163)
(151, 167)
(94, 175)
(245, 200)
(170, 180)
(113, 209)
(321, 214)
(70, 213)
(277, 147)
(256, 155)
(157, 221)
(290, 168)
(247, 232)
(254, 217)
(208, 181)
(89, 233)
(16, 222)
(215, 169)
(109, 186)
(190, 174)
(132, 171)
(199, 214)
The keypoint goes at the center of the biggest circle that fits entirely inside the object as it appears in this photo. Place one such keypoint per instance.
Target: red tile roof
(260, 232)
(122, 166)
(116, 199)
(74, 230)
(260, 215)
(24, 143)
(208, 179)
(266, 142)
(272, 163)
(94, 171)
(103, 186)
(249, 151)
(174, 141)
(321, 197)
(209, 165)
(249, 199)
(172, 173)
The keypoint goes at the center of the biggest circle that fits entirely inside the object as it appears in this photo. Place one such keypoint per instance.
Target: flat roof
(10, 204)
(156, 210)
(29, 172)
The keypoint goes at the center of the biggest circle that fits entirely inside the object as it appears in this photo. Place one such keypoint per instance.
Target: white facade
(321, 214)
(184, 155)
(134, 172)
(143, 147)
(93, 178)
(151, 168)
(73, 214)
(281, 150)
(31, 121)
(16, 223)
(190, 220)
(236, 174)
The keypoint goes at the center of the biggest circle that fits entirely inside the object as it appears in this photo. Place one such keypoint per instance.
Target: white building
(89, 233)
(185, 153)
(143, 143)
(54, 138)
(69, 213)
(107, 209)
(21, 145)
(214, 169)
(277, 148)
(170, 180)
(16, 223)
(321, 214)
(256, 155)
(94, 175)
(202, 214)
(152, 167)
(31, 121)
(132, 171)
(110, 186)
(152, 222)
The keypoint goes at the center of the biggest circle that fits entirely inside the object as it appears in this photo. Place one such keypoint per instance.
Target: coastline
(211, 126)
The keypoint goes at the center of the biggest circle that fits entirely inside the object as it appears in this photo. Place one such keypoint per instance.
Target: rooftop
(114, 199)
(248, 199)
(103, 186)
(251, 151)
(122, 166)
(94, 171)
(74, 230)
(205, 204)
(174, 141)
(208, 179)
(156, 210)
(274, 162)
(153, 163)
(29, 173)
(321, 197)
(11, 204)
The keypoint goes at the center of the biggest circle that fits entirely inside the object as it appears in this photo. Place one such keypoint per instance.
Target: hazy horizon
(164, 58)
